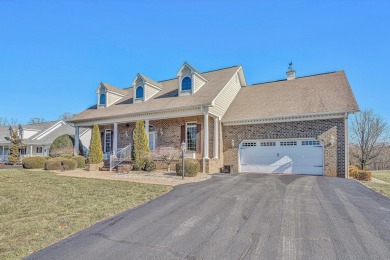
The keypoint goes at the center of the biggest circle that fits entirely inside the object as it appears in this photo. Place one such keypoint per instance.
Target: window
(186, 84)
(288, 143)
(268, 144)
(191, 137)
(23, 151)
(39, 149)
(310, 142)
(107, 141)
(139, 92)
(249, 144)
(102, 100)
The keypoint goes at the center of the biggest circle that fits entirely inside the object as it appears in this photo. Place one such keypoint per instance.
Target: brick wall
(169, 134)
(334, 156)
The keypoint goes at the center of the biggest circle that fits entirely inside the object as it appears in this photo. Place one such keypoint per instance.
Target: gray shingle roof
(149, 80)
(166, 99)
(115, 89)
(41, 127)
(323, 93)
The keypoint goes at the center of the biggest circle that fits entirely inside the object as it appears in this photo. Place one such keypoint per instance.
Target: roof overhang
(288, 118)
(150, 115)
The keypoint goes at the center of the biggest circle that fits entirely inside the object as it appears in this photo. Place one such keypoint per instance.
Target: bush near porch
(191, 167)
(36, 162)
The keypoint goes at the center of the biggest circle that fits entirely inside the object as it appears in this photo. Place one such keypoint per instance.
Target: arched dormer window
(139, 92)
(102, 100)
(186, 84)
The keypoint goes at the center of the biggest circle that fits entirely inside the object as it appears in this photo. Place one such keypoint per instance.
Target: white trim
(105, 141)
(114, 136)
(220, 92)
(113, 92)
(185, 136)
(206, 135)
(291, 118)
(190, 111)
(49, 130)
(216, 138)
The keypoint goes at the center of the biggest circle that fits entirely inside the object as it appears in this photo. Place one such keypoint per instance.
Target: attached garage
(291, 156)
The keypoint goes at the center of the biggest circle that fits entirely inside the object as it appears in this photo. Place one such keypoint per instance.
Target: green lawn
(40, 208)
(383, 188)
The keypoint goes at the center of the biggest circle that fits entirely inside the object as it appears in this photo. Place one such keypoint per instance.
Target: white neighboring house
(37, 138)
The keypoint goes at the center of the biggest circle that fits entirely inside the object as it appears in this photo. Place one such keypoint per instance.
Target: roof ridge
(204, 72)
(307, 76)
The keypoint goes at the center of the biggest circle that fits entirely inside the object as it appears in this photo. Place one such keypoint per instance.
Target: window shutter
(198, 138)
(183, 134)
(112, 140)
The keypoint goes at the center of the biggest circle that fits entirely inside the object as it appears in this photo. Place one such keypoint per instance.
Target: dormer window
(102, 100)
(190, 80)
(186, 84)
(139, 93)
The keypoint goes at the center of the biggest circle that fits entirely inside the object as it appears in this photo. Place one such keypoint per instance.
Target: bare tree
(8, 122)
(36, 120)
(66, 116)
(3, 121)
(369, 135)
(166, 154)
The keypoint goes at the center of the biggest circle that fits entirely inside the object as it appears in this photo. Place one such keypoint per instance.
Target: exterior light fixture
(232, 142)
(183, 148)
(161, 131)
(331, 141)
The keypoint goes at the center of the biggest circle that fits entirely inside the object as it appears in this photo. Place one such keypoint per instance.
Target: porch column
(31, 153)
(76, 140)
(206, 135)
(147, 128)
(216, 137)
(115, 139)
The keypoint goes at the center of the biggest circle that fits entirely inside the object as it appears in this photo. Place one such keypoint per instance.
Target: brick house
(297, 125)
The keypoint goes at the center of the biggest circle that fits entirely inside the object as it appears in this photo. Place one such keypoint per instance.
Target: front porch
(201, 133)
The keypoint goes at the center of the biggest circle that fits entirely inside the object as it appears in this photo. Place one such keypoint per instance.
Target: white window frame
(194, 125)
(106, 131)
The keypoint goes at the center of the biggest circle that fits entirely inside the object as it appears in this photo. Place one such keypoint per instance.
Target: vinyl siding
(226, 96)
(149, 92)
(112, 98)
(198, 83)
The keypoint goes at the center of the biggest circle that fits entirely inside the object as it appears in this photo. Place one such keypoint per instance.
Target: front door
(152, 140)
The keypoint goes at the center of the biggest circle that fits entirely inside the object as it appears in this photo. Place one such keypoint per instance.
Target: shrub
(363, 175)
(62, 146)
(150, 165)
(141, 146)
(191, 167)
(68, 164)
(80, 161)
(54, 163)
(95, 154)
(37, 162)
(353, 171)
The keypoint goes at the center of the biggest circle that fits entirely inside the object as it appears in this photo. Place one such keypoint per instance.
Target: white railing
(119, 156)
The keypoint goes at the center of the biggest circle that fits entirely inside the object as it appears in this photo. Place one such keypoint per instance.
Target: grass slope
(40, 208)
(383, 188)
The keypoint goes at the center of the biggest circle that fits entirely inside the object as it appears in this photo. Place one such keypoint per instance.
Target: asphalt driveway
(244, 216)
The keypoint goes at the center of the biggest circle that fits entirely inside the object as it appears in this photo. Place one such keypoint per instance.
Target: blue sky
(53, 54)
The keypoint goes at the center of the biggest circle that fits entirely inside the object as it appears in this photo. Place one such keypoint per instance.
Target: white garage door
(294, 156)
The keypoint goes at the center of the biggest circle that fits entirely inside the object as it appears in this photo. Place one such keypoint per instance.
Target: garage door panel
(294, 159)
